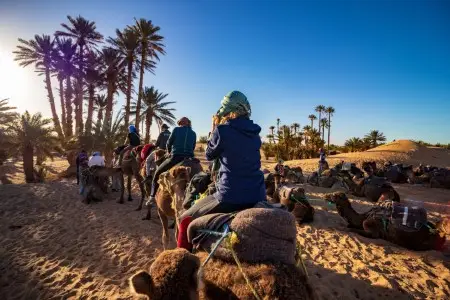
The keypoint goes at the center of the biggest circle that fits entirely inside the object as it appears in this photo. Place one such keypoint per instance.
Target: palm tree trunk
(63, 104)
(79, 93)
(28, 169)
(69, 119)
(148, 124)
(329, 129)
(312, 123)
(128, 100)
(90, 112)
(109, 105)
(141, 83)
(51, 99)
(99, 117)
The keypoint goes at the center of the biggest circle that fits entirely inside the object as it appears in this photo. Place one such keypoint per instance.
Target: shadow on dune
(331, 285)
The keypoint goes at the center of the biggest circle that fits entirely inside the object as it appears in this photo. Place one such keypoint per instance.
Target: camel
(170, 195)
(377, 223)
(294, 199)
(175, 274)
(95, 181)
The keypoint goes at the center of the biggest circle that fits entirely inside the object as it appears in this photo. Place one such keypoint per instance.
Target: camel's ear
(188, 170)
(141, 283)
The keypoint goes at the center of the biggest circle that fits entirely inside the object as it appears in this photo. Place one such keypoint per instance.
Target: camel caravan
(236, 225)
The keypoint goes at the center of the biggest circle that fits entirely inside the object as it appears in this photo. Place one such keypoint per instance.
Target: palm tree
(64, 63)
(329, 111)
(85, 33)
(295, 127)
(354, 144)
(100, 103)
(151, 44)
(107, 138)
(6, 115)
(33, 133)
(320, 109)
(324, 124)
(112, 73)
(306, 132)
(40, 52)
(93, 81)
(375, 136)
(127, 42)
(153, 108)
(312, 118)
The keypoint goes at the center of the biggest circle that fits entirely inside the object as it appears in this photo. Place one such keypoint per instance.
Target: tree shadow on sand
(331, 285)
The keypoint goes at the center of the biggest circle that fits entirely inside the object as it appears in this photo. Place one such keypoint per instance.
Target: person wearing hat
(133, 140)
(180, 145)
(279, 168)
(163, 137)
(234, 145)
(96, 160)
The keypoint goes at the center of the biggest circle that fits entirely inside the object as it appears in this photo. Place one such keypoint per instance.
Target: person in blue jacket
(235, 145)
(180, 145)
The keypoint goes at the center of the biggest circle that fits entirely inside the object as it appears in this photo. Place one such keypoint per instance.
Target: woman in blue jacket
(235, 143)
(181, 145)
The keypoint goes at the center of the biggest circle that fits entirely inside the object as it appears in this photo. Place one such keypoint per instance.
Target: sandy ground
(53, 246)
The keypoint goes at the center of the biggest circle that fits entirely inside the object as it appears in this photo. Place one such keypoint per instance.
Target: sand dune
(401, 151)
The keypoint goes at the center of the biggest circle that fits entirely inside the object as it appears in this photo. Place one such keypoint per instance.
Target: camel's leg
(165, 225)
(371, 227)
(142, 188)
(122, 184)
(148, 216)
(129, 187)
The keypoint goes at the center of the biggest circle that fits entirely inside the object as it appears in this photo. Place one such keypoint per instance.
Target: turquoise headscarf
(236, 102)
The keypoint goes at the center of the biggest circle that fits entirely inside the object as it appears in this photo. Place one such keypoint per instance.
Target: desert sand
(54, 246)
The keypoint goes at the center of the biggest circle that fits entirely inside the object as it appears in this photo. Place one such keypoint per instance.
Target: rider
(96, 160)
(163, 137)
(180, 145)
(82, 162)
(235, 143)
(133, 140)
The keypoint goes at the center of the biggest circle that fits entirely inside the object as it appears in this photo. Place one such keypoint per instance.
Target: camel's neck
(351, 216)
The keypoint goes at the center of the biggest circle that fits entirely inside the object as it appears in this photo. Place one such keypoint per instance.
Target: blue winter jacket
(182, 141)
(237, 144)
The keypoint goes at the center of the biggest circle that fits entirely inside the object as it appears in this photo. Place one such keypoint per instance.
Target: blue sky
(382, 65)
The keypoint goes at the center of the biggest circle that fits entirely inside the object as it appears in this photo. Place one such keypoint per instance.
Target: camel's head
(338, 198)
(173, 275)
(443, 229)
(369, 167)
(175, 182)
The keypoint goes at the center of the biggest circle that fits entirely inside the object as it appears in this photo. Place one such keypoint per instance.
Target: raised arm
(215, 147)
(170, 140)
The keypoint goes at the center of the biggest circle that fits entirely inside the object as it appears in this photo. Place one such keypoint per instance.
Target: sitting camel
(379, 222)
(95, 182)
(372, 188)
(175, 275)
(294, 199)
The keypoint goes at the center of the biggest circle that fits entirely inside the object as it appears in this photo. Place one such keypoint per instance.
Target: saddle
(407, 218)
(265, 234)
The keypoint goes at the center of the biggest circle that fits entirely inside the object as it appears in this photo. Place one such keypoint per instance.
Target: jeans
(163, 167)
(210, 205)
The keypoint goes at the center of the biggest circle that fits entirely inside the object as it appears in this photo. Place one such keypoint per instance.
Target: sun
(13, 80)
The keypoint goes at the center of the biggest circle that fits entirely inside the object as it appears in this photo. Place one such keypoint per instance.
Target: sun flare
(13, 80)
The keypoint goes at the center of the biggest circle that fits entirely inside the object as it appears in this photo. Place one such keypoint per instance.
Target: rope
(300, 261)
(231, 239)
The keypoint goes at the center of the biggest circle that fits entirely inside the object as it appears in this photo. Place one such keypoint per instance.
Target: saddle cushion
(412, 217)
(265, 235)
